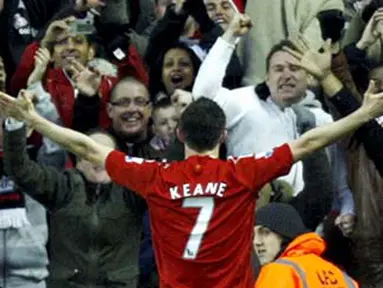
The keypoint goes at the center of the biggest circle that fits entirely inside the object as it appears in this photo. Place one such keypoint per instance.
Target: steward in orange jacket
(298, 263)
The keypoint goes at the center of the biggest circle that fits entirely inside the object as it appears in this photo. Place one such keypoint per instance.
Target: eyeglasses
(125, 102)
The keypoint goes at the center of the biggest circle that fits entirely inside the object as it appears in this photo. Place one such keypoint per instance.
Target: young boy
(201, 209)
(165, 120)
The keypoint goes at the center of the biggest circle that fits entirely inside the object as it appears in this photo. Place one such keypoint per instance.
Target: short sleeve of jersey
(137, 174)
(256, 171)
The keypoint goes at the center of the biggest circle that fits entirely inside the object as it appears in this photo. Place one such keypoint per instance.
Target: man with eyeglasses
(129, 110)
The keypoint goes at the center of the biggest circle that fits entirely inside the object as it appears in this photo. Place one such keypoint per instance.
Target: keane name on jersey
(184, 191)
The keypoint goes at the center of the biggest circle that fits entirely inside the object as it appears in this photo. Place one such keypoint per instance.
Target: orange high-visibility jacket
(300, 266)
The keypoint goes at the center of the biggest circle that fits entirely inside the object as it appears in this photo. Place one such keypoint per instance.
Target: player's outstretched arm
(79, 144)
(325, 135)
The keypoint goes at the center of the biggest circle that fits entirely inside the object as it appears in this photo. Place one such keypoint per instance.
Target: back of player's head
(202, 125)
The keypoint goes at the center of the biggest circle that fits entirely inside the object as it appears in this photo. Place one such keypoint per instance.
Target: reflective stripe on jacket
(300, 266)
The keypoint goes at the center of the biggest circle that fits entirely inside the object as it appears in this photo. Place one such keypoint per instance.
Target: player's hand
(33, 98)
(346, 224)
(3, 76)
(86, 80)
(315, 63)
(20, 108)
(57, 30)
(239, 26)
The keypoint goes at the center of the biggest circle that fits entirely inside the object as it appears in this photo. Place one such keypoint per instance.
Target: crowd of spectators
(123, 71)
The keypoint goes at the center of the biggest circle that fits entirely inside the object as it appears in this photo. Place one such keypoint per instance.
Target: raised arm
(208, 82)
(371, 134)
(50, 153)
(43, 102)
(142, 174)
(84, 147)
(45, 184)
(357, 53)
(319, 65)
(325, 135)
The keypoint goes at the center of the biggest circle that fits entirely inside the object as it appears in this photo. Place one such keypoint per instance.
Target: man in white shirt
(256, 125)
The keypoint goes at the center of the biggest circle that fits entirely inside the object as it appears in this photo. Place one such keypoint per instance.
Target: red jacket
(61, 90)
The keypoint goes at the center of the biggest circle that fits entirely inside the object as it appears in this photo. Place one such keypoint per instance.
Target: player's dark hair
(278, 48)
(202, 124)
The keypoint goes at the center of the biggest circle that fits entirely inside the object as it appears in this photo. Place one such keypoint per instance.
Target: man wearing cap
(290, 254)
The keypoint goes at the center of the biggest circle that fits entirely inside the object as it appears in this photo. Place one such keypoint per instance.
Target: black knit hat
(282, 219)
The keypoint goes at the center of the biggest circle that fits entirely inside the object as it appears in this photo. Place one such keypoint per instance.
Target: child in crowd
(165, 120)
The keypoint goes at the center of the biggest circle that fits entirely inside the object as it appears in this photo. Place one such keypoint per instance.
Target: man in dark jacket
(129, 109)
(95, 225)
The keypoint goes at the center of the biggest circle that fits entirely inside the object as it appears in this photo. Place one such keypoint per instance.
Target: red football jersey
(201, 212)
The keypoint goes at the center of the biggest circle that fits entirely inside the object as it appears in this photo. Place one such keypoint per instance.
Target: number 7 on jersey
(206, 205)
